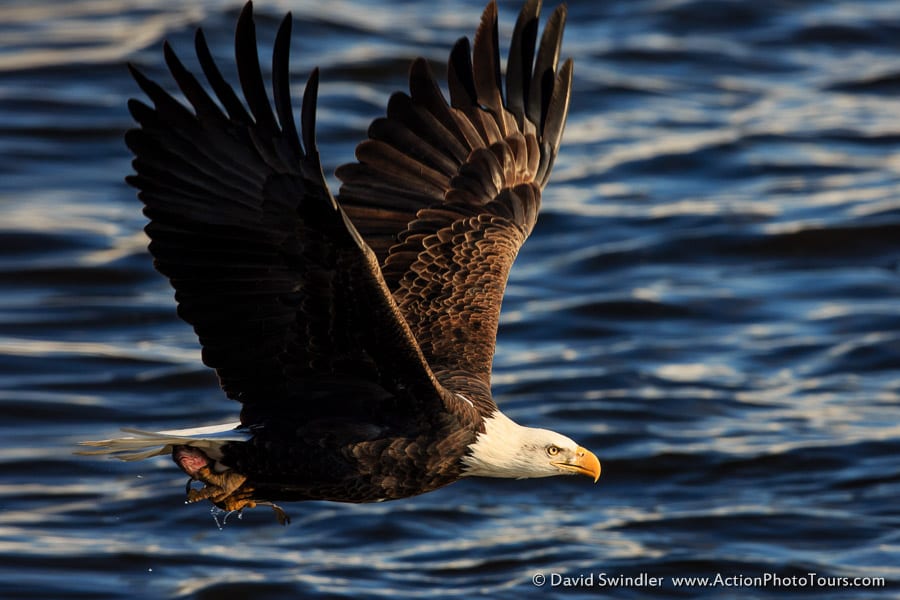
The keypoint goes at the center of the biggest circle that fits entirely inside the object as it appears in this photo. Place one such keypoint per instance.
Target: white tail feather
(145, 444)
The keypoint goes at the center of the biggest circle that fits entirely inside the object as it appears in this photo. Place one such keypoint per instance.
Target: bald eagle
(356, 331)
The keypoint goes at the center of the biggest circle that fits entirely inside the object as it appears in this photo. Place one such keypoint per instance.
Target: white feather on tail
(145, 444)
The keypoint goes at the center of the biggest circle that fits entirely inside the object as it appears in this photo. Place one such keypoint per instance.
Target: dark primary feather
(281, 90)
(521, 59)
(486, 62)
(223, 91)
(445, 194)
(288, 302)
(544, 78)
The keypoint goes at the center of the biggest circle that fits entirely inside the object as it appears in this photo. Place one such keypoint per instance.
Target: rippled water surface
(710, 302)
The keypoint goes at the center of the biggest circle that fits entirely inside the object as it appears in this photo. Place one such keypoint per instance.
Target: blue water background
(710, 302)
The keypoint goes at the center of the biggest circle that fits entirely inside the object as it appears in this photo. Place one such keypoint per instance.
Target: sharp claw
(283, 519)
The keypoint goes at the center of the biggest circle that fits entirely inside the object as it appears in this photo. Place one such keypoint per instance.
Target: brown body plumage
(357, 332)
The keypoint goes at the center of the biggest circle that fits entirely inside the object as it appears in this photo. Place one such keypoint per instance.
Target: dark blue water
(711, 302)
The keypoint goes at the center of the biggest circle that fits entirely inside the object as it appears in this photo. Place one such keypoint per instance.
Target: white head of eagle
(507, 449)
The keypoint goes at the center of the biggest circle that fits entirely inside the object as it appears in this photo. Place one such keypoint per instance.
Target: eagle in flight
(357, 331)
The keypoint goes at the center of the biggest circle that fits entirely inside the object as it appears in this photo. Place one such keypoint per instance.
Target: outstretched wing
(288, 301)
(445, 194)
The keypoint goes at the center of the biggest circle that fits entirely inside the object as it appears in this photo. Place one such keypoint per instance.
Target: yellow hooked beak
(583, 463)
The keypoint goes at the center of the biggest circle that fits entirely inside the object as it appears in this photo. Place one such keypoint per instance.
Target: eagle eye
(552, 450)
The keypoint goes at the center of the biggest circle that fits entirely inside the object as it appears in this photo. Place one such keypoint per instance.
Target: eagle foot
(227, 490)
(220, 488)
